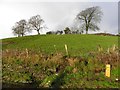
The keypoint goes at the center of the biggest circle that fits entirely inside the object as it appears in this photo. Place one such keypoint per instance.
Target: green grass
(41, 69)
(76, 43)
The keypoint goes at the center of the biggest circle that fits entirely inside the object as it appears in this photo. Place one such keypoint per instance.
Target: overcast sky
(57, 15)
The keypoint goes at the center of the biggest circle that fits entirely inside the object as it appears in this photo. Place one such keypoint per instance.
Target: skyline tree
(36, 23)
(89, 18)
(20, 28)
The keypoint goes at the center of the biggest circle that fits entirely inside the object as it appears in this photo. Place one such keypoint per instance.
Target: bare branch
(90, 17)
(36, 23)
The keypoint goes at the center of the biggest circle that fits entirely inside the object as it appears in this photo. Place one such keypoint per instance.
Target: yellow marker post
(26, 52)
(107, 72)
(66, 49)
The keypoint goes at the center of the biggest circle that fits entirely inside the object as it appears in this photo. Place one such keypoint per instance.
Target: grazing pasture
(77, 44)
(40, 61)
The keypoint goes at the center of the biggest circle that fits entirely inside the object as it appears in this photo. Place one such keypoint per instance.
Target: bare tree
(16, 31)
(89, 18)
(35, 23)
(20, 28)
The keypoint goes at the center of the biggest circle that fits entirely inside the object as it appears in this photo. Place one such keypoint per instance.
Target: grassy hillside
(76, 43)
(42, 65)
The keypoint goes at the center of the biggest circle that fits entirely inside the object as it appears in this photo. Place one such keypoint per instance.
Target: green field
(77, 44)
(44, 64)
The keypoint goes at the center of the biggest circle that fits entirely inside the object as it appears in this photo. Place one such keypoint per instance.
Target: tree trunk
(22, 34)
(86, 30)
(86, 23)
(38, 32)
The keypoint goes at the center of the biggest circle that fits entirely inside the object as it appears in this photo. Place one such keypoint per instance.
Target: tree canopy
(35, 23)
(89, 18)
(20, 28)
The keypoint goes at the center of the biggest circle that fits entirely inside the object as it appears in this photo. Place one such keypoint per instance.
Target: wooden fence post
(66, 49)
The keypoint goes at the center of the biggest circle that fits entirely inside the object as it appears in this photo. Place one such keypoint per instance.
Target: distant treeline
(66, 31)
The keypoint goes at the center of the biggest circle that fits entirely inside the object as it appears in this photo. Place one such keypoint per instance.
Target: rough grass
(77, 44)
(33, 61)
(58, 70)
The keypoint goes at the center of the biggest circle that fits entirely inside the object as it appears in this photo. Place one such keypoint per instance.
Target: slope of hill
(52, 43)
(83, 68)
